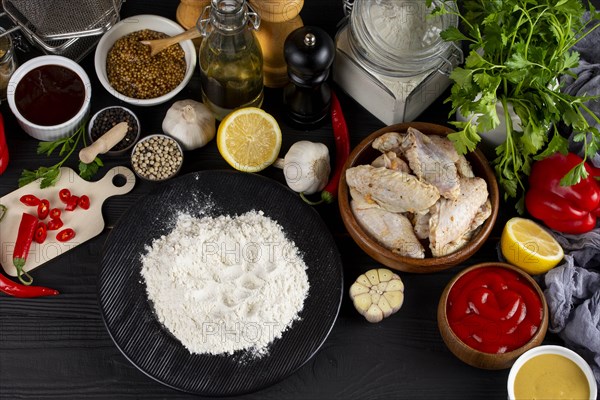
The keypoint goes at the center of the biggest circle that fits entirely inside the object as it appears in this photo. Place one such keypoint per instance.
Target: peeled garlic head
(377, 294)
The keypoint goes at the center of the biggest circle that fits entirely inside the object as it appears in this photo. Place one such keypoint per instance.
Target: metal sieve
(62, 27)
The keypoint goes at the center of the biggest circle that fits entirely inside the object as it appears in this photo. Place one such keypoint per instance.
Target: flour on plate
(222, 284)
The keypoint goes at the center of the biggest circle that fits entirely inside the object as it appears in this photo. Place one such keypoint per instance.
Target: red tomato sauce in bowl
(494, 310)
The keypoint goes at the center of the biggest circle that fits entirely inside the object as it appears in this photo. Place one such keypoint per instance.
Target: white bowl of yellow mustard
(551, 372)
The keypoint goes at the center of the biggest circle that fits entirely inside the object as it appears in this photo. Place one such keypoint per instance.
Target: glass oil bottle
(230, 57)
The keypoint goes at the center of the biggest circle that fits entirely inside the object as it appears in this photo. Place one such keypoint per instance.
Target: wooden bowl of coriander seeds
(157, 158)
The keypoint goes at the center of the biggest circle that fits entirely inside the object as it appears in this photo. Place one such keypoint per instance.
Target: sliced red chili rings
(30, 200)
(55, 224)
(84, 202)
(55, 213)
(41, 232)
(72, 203)
(64, 195)
(43, 209)
(65, 235)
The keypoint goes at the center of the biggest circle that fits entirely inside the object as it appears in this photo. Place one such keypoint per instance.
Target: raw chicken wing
(395, 191)
(431, 163)
(393, 231)
(390, 160)
(453, 219)
(390, 141)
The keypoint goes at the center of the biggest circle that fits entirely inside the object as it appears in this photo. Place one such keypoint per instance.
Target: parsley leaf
(517, 52)
(48, 176)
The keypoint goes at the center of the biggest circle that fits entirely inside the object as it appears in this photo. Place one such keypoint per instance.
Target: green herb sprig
(50, 175)
(518, 51)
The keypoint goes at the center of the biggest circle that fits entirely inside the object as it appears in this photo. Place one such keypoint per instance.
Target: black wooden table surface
(58, 348)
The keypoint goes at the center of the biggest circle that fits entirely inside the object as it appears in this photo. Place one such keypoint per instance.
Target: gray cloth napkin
(573, 296)
(586, 83)
(573, 288)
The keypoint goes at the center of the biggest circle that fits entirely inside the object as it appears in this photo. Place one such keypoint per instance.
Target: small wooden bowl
(478, 358)
(364, 153)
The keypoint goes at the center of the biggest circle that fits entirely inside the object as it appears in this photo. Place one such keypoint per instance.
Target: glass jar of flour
(391, 59)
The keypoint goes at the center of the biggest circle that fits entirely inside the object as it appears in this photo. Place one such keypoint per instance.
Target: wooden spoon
(104, 143)
(158, 45)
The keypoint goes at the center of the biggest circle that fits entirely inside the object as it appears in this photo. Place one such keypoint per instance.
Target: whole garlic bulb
(190, 123)
(377, 294)
(306, 167)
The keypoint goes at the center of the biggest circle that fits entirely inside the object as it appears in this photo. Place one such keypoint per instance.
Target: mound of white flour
(225, 283)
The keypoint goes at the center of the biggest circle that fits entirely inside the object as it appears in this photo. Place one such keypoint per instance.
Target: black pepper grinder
(309, 53)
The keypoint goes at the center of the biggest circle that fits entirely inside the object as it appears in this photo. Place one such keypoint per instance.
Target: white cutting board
(86, 223)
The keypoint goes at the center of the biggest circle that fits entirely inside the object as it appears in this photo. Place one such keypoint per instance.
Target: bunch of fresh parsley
(50, 175)
(517, 52)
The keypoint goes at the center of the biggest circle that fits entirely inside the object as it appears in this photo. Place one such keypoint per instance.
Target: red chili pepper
(25, 236)
(568, 209)
(43, 209)
(54, 224)
(55, 213)
(64, 195)
(30, 200)
(41, 232)
(65, 235)
(72, 203)
(342, 151)
(84, 202)
(15, 289)
(3, 148)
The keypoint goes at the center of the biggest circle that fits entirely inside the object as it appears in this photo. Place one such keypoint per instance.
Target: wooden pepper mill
(309, 53)
(278, 19)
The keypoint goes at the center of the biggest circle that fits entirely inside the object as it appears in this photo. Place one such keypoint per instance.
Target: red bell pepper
(568, 209)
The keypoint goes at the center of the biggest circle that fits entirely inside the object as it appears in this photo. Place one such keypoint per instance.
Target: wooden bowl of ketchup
(50, 97)
(491, 313)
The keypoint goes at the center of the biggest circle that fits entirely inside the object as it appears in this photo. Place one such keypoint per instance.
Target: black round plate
(130, 319)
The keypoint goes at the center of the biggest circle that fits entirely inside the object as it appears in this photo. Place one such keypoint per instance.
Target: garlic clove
(395, 299)
(377, 294)
(385, 275)
(385, 307)
(362, 302)
(373, 276)
(374, 314)
(395, 286)
(362, 279)
(357, 289)
(375, 297)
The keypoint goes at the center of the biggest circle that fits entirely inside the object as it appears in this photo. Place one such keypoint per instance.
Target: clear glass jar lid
(399, 37)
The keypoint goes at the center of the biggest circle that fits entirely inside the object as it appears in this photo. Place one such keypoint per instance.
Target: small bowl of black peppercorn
(107, 118)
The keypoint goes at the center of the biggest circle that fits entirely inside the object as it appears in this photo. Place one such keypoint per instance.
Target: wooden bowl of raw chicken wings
(411, 202)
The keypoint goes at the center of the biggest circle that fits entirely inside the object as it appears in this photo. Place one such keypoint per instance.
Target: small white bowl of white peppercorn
(157, 158)
(106, 118)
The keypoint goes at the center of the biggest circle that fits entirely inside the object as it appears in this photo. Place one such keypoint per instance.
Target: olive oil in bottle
(230, 58)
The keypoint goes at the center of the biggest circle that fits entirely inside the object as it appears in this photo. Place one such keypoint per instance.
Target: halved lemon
(249, 139)
(530, 247)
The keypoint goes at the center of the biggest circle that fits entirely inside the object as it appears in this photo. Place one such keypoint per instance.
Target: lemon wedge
(249, 139)
(530, 247)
